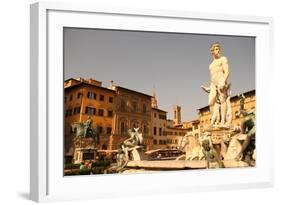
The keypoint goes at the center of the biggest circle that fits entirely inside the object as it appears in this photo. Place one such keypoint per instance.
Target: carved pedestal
(85, 153)
(225, 141)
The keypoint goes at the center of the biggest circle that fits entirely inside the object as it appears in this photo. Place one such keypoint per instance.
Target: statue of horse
(80, 130)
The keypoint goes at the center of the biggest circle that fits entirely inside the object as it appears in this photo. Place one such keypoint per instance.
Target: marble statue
(129, 145)
(193, 148)
(122, 159)
(134, 139)
(219, 89)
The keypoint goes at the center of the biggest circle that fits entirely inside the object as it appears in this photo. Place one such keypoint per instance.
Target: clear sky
(175, 64)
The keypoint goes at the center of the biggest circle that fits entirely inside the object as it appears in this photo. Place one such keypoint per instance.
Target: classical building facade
(159, 124)
(167, 134)
(174, 137)
(84, 98)
(133, 110)
(113, 110)
(250, 103)
(193, 127)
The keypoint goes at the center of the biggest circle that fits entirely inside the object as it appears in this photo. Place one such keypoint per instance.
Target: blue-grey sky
(175, 64)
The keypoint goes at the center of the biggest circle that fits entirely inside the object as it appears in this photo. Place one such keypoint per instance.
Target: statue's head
(216, 50)
(206, 145)
(120, 150)
(242, 100)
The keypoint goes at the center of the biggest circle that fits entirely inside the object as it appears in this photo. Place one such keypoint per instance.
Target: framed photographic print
(130, 102)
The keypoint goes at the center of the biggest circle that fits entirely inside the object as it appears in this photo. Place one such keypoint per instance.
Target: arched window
(134, 124)
(144, 108)
(134, 106)
(145, 130)
(122, 128)
(104, 146)
(123, 105)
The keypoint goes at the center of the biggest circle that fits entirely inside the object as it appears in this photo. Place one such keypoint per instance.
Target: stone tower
(177, 114)
(154, 100)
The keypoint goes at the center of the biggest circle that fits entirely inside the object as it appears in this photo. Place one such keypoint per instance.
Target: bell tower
(153, 99)
(177, 114)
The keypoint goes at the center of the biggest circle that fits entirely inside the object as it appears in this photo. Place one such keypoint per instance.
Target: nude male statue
(218, 91)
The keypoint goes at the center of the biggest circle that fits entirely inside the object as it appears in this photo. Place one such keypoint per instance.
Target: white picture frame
(46, 102)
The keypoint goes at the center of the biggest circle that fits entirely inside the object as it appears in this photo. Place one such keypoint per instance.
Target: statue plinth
(227, 141)
(83, 142)
(219, 133)
(80, 151)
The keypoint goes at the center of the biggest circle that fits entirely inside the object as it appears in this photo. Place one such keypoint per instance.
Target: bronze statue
(85, 129)
(211, 155)
(88, 127)
(248, 126)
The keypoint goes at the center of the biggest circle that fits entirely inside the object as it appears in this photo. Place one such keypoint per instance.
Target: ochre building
(193, 127)
(113, 111)
(83, 98)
